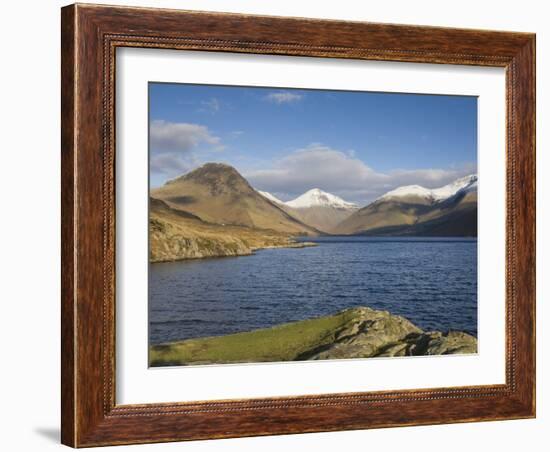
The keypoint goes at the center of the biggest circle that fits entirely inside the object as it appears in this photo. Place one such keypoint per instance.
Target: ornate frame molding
(90, 37)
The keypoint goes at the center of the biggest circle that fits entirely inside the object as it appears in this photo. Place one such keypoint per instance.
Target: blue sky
(357, 145)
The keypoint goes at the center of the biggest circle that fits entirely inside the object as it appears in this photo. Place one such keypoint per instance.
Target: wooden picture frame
(90, 36)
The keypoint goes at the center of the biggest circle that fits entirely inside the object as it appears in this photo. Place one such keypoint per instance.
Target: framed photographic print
(281, 225)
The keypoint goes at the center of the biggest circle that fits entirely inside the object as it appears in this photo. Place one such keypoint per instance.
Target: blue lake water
(430, 281)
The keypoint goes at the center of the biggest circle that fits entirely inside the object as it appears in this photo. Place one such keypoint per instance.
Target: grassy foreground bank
(354, 333)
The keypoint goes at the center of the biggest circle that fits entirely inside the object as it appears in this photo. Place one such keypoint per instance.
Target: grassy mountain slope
(176, 234)
(217, 193)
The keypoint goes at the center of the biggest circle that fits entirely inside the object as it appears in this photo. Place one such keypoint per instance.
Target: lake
(430, 281)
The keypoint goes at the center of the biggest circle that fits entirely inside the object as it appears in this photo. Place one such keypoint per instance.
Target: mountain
(467, 183)
(271, 197)
(319, 198)
(319, 209)
(217, 193)
(450, 210)
(175, 234)
(324, 219)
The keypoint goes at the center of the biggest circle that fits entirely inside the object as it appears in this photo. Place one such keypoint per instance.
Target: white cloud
(179, 136)
(319, 166)
(170, 163)
(174, 146)
(283, 97)
(315, 166)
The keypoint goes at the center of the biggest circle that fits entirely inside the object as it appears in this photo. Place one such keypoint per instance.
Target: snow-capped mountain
(315, 208)
(319, 198)
(464, 184)
(449, 211)
(271, 197)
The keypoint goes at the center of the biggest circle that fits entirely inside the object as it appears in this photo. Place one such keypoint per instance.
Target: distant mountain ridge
(312, 198)
(450, 210)
(317, 197)
(271, 197)
(435, 194)
(316, 207)
(217, 193)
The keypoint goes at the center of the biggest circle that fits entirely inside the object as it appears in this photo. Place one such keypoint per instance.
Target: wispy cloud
(236, 133)
(211, 105)
(342, 174)
(283, 97)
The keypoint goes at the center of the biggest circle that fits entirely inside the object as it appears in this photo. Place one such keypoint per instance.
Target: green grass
(284, 342)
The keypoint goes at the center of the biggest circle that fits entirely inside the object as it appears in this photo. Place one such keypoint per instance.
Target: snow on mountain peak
(269, 196)
(408, 190)
(318, 197)
(466, 183)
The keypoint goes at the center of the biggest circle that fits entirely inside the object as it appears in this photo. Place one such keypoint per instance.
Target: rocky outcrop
(359, 332)
(373, 333)
(169, 243)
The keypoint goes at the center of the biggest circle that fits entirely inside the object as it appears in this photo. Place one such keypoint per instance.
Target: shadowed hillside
(416, 215)
(323, 218)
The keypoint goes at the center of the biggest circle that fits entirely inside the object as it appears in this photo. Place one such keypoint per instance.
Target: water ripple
(432, 282)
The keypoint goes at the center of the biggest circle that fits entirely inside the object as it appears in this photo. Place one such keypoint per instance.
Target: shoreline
(250, 250)
(238, 253)
(290, 245)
